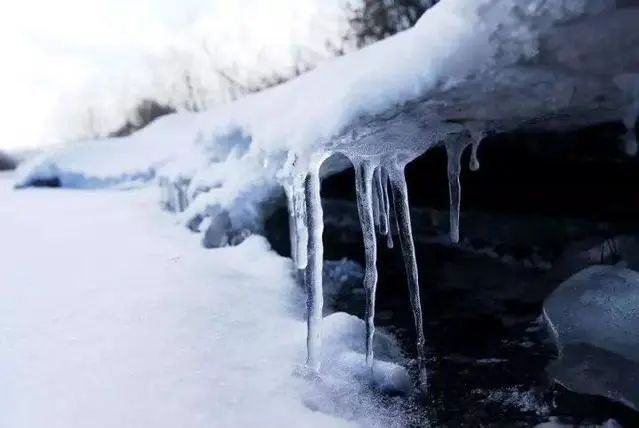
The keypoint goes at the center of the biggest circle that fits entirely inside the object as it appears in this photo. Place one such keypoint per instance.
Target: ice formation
(364, 176)
(373, 176)
(315, 260)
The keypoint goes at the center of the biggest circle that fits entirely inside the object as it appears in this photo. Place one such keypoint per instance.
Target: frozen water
(315, 293)
(402, 214)
(364, 177)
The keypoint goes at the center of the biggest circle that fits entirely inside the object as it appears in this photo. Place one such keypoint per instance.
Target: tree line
(370, 21)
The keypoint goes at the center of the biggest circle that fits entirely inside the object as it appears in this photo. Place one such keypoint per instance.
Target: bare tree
(91, 127)
(377, 19)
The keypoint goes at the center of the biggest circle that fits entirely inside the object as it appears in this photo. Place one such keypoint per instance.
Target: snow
(112, 316)
(501, 62)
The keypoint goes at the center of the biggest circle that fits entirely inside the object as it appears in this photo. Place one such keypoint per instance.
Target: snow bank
(126, 322)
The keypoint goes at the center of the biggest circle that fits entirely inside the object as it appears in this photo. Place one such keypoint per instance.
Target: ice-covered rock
(594, 317)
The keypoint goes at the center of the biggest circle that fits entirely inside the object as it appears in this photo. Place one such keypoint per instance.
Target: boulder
(594, 317)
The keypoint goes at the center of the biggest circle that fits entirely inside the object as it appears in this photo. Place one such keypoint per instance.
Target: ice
(402, 214)
(454, 152)
(364, 176)
(315, 293)
(387, 203)
(297, 208)
(381, 198)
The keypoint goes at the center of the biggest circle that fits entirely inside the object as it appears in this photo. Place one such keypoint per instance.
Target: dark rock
(591, 370)
(594, 317)
(7, 163)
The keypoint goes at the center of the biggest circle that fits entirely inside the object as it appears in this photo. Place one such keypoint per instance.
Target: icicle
(301, 231)
(478, 131)
(376, 201)
(474, 160)
(454, 150)
(315, 296)
(292, 227)
(402, 215)
(385, 184)
(364, 187)
(383, 203)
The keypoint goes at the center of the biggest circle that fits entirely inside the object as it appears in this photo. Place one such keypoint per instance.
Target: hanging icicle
(292, 228)
(402, 214)
(454, 150)
(315, 295)
(376, 202)
(383, 204)
(364, 171)
(474, 159)
(301, 231)
(387, 215)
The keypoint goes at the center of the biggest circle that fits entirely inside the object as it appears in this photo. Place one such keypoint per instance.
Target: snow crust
(113, 317)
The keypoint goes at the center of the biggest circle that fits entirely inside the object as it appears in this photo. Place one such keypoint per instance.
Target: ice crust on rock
(594, 316)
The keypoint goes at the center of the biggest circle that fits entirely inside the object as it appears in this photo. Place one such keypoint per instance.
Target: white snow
(112, 316)
(475, 60)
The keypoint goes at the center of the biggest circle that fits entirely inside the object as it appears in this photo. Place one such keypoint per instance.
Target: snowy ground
(113, 316)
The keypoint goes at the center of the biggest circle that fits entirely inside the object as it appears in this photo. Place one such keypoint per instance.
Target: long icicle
(454, 151)
(387, 202)
(376, 201)
(301, 231)
(402, 214)
(292, 227)
(315, 295)
(364, 188)
(383, 203)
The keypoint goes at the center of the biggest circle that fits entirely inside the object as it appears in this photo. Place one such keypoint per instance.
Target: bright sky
(54, 50)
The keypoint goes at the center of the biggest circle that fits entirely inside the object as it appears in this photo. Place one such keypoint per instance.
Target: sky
(64, 55)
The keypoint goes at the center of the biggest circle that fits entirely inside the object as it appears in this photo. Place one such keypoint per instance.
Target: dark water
(487, 346)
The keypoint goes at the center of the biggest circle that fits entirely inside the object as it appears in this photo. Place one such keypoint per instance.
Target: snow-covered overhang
(522, 65)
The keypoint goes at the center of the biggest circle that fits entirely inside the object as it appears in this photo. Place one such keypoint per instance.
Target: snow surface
(111, 316)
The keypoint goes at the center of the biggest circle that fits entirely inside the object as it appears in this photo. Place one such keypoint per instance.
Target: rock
(340, 278)
(217, 233)
(594, 317)
(7, 163)
(554, 423)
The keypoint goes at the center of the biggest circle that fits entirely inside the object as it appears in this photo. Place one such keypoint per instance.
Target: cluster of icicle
(380, 186)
